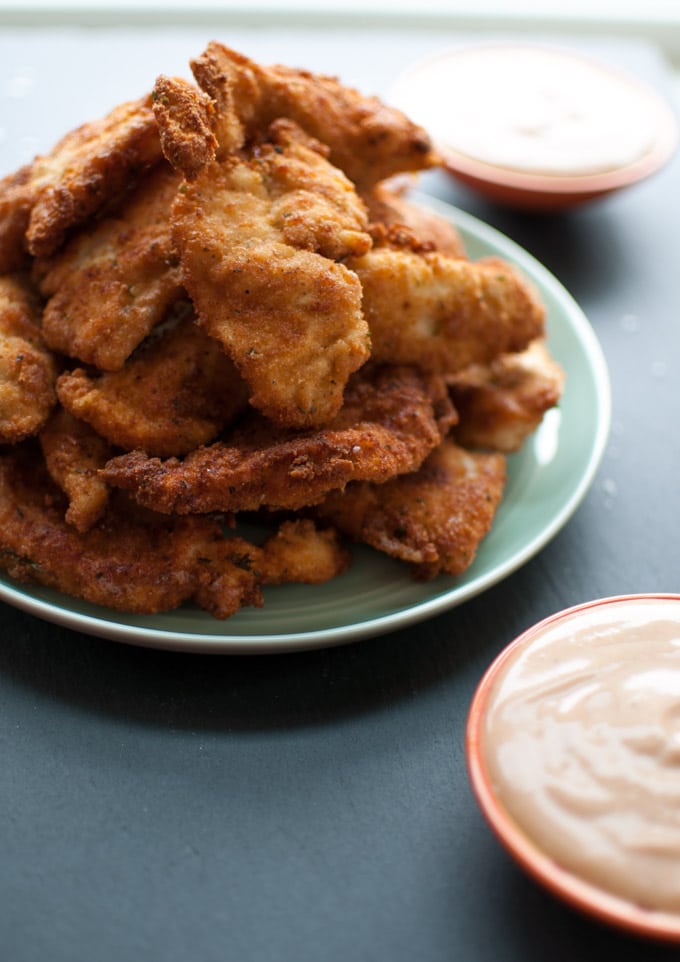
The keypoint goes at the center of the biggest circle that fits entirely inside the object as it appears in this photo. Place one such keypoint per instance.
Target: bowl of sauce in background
(573, 749)
(537, 128)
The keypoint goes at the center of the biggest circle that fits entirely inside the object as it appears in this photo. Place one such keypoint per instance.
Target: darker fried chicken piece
(257, 240)
(391, 419)
(444, 313)
(27, 369)
(135, 560)
(178, 391)
(15, 207)
(500, 404)
(74, 454)
(86, 170)
(433, 518)
(368, 140)
(115, 280)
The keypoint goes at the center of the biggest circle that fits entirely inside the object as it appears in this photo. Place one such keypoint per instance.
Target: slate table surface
(315, 807)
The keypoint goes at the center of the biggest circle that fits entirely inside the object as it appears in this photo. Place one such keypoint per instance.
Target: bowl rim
(457, 162)
(577, 892)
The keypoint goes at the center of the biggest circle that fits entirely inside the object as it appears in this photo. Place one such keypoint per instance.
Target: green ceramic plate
(547, 481)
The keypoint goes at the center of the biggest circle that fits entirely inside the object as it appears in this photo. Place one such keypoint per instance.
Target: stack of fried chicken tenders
(216, 305)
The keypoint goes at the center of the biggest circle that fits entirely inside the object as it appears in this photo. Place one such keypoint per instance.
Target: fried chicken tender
(256, 238)
(391, 419)
(81, 175)
(74, 454)
(15, 207)
(115, 280)
(368, 140)
(500, 404)
(399, 222)
(444, 313)
(141, 562)
(27, 369)
(178, 391)
(433, 518)
(185, 117)
(299, 552)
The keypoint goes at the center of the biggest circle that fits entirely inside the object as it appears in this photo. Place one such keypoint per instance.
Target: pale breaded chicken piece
(138, 561)
(434, 518)
(85, 171)
(28, 371)
(502, 403)
(444, 313)
(115, 280)
(256, 239)
(391, 419)
(397, 221)
(74, 455)
(178, 391)
(368, 140)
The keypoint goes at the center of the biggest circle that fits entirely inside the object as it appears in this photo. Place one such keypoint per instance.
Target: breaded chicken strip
(137, 561)
(391, 419)
(399, 222)
(368, 140)
(185, 117)
(178, 391)
(15, 207)
(434, 518)
(499, 405)
(115, 280)
(74, 454)
(256, 239)
(444, 313)
(301, 553)
(86, 170)
(27, 369)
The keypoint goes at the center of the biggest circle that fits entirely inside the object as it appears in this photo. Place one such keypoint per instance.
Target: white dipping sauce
(582, 746)
(531, 109)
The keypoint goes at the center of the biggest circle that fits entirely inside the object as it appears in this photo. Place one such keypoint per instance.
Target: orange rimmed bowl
(577, 890)
(489, 117)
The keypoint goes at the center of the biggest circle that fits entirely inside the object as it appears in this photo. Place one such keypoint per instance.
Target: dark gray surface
(315, 806)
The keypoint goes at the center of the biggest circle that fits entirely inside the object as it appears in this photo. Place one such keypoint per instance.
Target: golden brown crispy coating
(368, 140)
(255, 239)
(15, 208)
(299, 552)
(115, 280)
(399, 222)
(185, 117)
(138, 561)
(499, 405)
(391, 419)
(434, 518)
(444, 313)
(130, 561)
(27, 369)
(82, 174)
(178, 391)
(74, 455)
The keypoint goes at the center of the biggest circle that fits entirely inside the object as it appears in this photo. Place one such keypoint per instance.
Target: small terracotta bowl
(577, 892)
(431, 90)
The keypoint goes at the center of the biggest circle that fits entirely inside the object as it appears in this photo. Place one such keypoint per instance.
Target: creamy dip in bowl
(537, 127)
(573, 746)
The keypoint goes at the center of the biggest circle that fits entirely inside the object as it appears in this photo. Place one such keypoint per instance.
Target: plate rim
(225, 643)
